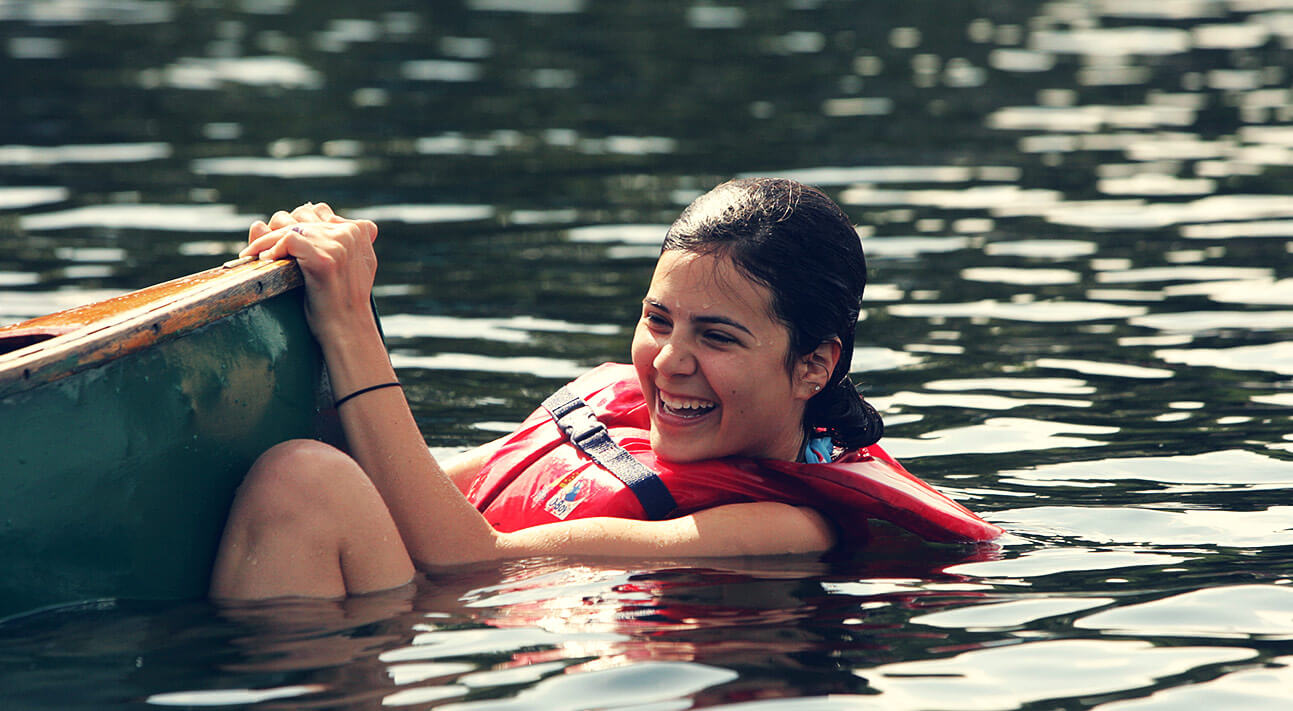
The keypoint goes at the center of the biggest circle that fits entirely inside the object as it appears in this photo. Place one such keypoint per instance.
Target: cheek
(642, 350)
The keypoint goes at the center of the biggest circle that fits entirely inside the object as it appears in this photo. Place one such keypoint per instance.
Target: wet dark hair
(797, 242)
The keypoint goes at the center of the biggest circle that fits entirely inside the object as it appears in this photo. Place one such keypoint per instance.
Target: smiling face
(712, 361)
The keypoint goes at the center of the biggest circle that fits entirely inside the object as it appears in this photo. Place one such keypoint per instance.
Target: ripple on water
(232, 697)
(537, 366)
(211, 74)
(1015, 613)
(1041, 562)
(620, 234)
(424, 214)
(1021, 276)
(972, 401)
(513, 329)
(1226, 612)
(444, 70)
(1105, 369)
(1037, 311)
(177, 218)
(643, 684)
(994, 436)
(21, 198)
(285, 167)
(1013, 675)
(1263, 291)
(1212, 471)
(1271, 357)
(1200, 321)
(1104, 525)
(1257, 688)
(1052, 386)
(1144, 275)
(1041, 248)
(1228, 230)
(450, 643)
(912, 246)
(875, 358)
(83, 153)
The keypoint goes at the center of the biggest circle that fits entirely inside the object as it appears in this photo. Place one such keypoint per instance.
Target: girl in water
(738, 393)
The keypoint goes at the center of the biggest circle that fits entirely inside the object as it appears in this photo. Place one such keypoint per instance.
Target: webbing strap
(586, 432)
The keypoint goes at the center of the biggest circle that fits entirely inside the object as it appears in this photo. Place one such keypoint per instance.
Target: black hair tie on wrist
(361, 391)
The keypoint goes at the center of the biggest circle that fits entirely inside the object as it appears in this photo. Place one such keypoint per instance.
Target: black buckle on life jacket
(582, 426)
(579, 422)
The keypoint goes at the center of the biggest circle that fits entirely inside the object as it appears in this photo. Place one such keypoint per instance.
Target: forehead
(707, 283)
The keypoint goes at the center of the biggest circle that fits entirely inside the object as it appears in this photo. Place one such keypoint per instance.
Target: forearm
(437, 523)
(763, 528)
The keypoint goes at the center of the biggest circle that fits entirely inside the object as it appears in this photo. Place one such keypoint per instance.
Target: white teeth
(687, 404)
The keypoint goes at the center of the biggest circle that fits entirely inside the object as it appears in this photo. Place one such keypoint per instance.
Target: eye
(655, 321)
(720, 338)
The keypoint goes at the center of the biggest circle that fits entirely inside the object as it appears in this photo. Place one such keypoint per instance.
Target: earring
(817, 388)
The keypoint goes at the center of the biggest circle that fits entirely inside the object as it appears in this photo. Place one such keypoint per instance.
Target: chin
(674, 451)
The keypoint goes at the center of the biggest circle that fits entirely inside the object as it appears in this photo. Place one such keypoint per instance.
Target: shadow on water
(1078, 234)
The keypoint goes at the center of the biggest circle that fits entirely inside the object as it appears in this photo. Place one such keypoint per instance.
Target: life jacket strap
(580, 423)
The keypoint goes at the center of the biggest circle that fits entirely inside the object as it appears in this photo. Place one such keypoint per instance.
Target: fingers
(261, 236)
(311, 212)
(281, 219)
(308, 212)
(294, 240)
(285, 245)
(259, 245)
(257, 230)
(324, 211)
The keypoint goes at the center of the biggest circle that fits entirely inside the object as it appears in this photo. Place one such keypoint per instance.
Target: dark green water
(1081, 298)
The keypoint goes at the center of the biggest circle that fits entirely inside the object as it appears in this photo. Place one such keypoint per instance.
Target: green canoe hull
(118, 478)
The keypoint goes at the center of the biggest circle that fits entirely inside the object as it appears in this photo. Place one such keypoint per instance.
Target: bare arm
(765, 528)
(337, 259)
(463, 467)
(437, 523)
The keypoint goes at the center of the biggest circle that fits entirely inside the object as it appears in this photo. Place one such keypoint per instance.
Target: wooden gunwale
(98, 333)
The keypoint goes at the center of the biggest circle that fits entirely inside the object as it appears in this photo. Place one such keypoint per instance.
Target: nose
(674, 360)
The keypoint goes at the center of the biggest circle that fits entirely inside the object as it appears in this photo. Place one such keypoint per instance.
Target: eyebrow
(701, 319)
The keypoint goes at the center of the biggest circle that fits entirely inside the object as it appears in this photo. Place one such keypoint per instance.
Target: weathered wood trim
(116, 327)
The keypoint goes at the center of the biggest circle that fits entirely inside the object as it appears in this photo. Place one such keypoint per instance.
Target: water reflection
(1002, 678)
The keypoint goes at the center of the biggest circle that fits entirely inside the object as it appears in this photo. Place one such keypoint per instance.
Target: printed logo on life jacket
(568, 493)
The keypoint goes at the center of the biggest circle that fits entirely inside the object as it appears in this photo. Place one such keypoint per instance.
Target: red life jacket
(538, 476)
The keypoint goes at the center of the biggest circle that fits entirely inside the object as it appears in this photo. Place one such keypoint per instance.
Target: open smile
(686, 408)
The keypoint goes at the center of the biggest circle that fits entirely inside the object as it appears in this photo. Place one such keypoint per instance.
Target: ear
(813, 370)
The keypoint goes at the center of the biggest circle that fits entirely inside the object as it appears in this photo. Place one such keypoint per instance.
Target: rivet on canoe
(260, 286)
(26, 373)
(157, 328)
